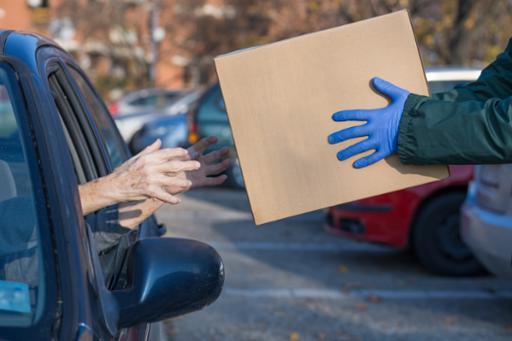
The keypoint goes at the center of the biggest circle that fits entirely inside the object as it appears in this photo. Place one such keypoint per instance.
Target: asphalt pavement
(290, 280)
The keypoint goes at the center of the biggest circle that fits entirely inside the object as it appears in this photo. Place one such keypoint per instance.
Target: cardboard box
(280, 98)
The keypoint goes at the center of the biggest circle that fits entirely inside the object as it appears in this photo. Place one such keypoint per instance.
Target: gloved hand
(381, 127)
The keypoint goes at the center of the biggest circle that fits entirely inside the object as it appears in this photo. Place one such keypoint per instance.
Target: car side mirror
(169, 277)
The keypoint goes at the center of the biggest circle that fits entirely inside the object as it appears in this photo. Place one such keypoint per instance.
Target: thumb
(152, 147)
(387, 88)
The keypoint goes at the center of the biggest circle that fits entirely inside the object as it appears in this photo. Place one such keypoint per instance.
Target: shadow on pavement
(230, 198)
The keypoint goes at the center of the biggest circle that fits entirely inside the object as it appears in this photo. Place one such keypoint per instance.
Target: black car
(63, 276)
(208, 117)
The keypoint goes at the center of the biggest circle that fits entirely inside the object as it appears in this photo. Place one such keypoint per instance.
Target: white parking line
(299, 246)
(365, 294)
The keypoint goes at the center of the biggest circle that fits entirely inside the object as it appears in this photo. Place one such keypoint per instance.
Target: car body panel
(79, 316)
(487, 218)
(489, 236)
(49, 142)
(171, 130)
(131, 118)
(388, 218)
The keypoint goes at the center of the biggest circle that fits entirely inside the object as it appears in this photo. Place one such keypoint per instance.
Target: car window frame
(24, 101)
(72, 125)
(126, 151)
(86, 129)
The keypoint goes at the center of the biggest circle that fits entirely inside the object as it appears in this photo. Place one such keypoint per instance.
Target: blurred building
(117, 54)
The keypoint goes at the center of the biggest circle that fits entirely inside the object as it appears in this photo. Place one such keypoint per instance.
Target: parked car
(62, 276)
(144, 101)
(487, 218)
(171, 130)
(147, 105)
(424, 218)
(208, 117)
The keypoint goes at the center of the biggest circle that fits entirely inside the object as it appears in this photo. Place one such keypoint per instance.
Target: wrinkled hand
(381, 126)
(154, 173)
(212, 164)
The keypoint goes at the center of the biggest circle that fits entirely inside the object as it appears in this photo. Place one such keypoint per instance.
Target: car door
(40, 297)
(91, 133)
(117, 152)
(212, 119)
(28, 284)
(101, 233)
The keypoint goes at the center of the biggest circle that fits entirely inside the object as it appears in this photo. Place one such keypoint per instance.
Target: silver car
(143, 106)
(487, 218)
(443, 78)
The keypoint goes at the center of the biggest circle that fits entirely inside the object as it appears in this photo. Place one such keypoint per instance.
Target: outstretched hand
(154, 173)
(212, 163)
(381, 126)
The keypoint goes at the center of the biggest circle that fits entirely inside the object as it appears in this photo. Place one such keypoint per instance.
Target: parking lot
(290, 280)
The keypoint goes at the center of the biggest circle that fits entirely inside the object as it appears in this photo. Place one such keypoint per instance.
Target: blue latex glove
(381, 127)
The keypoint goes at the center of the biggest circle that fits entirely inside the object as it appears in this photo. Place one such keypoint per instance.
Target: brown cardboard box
(280, 98)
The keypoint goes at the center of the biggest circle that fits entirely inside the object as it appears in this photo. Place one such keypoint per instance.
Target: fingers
(349, 133)
(216, 155)
(353, 115)
(171, 153)
(215, 181)
(164, 196)
(369, 160)
(175, 185)
(355, 149)
(387, 88)
(203, 144)
(176, 166)
(217, 168)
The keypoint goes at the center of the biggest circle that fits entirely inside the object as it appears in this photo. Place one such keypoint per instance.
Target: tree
(449, 32)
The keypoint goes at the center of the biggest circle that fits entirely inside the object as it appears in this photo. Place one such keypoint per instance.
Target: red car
(425, 218)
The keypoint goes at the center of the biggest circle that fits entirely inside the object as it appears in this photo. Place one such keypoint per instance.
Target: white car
(143, 106)
(487, 218)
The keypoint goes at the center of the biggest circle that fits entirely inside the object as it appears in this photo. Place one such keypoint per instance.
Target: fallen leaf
(343, 269)
(294, 336)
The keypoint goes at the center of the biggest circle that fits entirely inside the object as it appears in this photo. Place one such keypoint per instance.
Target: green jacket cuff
(407, 143)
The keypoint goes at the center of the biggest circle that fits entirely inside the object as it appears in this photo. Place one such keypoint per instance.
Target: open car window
(85, 148)
(116, 148)
(27, 277)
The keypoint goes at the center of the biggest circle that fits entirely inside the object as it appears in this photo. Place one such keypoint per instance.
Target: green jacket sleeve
(494, 81)
(442, 132)
(471, 124)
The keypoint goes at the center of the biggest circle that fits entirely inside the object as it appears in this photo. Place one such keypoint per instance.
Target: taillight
(193, 131)
(193, 136)
(113, 109)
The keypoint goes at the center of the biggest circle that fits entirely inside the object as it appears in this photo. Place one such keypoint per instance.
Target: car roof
(23, 45)
(451, 73)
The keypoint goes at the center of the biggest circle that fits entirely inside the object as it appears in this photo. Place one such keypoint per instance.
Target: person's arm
(424, 130)
(441, 132)
(131, 214)
(153, 173)
(494, 81)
